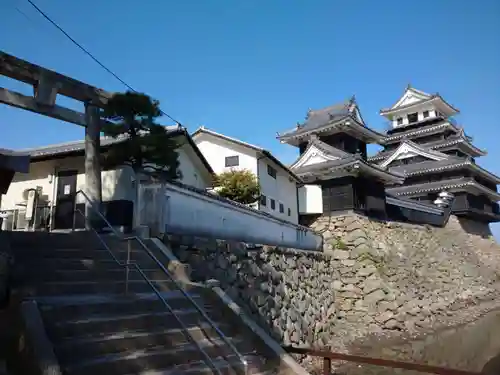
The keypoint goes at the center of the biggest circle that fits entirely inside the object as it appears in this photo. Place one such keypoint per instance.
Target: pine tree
(144, 145)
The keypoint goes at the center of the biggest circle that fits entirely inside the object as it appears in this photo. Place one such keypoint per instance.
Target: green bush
(238, 185)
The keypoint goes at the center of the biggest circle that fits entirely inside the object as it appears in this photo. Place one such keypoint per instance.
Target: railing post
(129, 248)
(327, 366)
(74, 212)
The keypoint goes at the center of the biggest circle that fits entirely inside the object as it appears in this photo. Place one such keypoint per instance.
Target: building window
(426, 114)
(263, 200)
(289, 211)
(412, 117)
(282, 208)
(271, 171)
(232, 161)
(273, 204)
(400, 121)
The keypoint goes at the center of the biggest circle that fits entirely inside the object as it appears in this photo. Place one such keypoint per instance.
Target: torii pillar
(93, 183)
(47, 84)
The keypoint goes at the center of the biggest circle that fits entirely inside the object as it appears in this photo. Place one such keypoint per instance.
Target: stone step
(71, 253)
(80, 307)
(139, 361)
(54, 288)
(80, 349)
(231, 365)
(95, 274)
(80, 240)
(106, 324)
(54, 264)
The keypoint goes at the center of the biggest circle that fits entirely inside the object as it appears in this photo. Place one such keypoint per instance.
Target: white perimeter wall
(191, 213)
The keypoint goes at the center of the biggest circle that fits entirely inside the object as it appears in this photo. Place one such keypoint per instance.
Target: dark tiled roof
(422, 130)
(64, 148)
(442, 165)
(427, 165)
(413, 204)
(14, 160)
(436, 186)
(435, 145)
(61, 149)
(333, 165)
(318, 117)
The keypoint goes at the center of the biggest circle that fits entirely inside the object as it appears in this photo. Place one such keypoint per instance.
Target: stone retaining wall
(371, 278)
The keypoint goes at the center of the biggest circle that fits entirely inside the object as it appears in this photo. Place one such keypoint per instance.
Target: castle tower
(434, 154)
(332, 143)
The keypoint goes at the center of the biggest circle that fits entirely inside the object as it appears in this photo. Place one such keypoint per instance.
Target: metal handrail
(329, 356)
(167, 272)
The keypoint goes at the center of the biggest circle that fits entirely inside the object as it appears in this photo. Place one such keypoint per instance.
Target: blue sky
(250, 69)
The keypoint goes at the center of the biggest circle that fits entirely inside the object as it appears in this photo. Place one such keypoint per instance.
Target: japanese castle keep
(426, 170)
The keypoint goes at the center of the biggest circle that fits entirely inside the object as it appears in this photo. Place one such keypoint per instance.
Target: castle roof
(452, 163)
(421, 131)
(459, 141)
(345, 117)
(350, 165)
(452, 185)
(413, 97)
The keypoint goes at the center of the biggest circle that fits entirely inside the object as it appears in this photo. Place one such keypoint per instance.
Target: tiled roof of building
(437, 186)
(422, 130)
(435, 145)
(14, 160)
(61, 149)
(433, 166)
(353, 161)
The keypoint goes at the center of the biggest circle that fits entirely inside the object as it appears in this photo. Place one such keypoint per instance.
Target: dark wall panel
(338, 194)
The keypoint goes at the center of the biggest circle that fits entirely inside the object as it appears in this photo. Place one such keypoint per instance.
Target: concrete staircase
(98, 326)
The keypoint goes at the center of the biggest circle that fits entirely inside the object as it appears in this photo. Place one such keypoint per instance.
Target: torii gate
(47, 84)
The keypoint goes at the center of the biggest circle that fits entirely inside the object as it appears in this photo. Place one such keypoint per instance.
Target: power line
(88, 53)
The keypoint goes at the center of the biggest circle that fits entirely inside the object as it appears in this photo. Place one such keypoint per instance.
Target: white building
(279, 186)
(57, 172)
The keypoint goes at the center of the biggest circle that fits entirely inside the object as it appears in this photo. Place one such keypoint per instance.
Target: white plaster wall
(310, 199)
(39, 175)
(420, 110)
(116, 184)
(283, 189)
(193, 171)
(216, 150)
(191, 213)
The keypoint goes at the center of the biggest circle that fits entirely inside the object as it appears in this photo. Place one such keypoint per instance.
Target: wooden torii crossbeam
(47, 84)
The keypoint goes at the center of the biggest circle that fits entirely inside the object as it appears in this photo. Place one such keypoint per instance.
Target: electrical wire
(88, 53)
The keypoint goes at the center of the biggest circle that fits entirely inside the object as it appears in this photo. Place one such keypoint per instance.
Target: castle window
(412, 117)
(282, 208)
(271, 171)
(273, 204)
(232, 161)
(400, 121)
(426, 114)
(263, 200)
